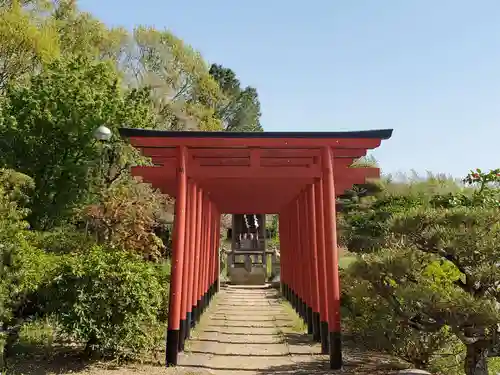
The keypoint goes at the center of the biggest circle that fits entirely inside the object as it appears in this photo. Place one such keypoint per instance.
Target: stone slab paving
(248, 331)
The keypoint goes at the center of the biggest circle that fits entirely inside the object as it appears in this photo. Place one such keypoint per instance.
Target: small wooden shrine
(247, 261)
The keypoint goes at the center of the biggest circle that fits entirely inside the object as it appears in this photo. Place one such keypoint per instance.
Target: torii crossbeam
(296, 175)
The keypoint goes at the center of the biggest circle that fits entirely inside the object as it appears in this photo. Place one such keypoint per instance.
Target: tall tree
(46, 131)
(434, 260)
(26, 41)
(240, 111)
(184, 93)
(82, 34)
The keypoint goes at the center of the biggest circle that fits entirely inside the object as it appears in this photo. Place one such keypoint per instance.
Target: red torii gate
(297, 175)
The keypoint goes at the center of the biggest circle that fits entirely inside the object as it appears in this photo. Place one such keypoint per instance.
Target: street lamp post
(102, 134)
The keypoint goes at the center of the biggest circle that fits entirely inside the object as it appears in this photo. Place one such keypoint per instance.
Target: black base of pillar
(182, 334)
(194, 313)
(199, 310)
(316, 327)
(335, 350)
(310, 321)
(324, 338)
(172, 351)
(187, 332)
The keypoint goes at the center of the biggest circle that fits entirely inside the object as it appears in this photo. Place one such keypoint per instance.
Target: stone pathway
(248, 331)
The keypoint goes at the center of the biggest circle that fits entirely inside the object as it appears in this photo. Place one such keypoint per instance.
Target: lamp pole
(102, 134)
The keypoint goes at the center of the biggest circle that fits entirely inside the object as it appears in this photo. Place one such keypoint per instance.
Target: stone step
(232, 362)
(228, 338)
(249, 349)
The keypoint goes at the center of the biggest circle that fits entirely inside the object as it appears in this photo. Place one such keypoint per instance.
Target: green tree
(26, 42)
(240, 111)
(46, 131)
(22, 267)
(184, 93)
(466, 240)
(126, 217)
(434, 261)
(82, 34)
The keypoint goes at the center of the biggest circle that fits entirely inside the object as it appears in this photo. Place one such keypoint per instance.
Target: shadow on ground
(36, 363)
(320, 366)
(64, 360)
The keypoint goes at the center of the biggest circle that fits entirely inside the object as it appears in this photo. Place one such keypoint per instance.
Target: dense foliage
(429, 261)
(83, 245)
(107, 300)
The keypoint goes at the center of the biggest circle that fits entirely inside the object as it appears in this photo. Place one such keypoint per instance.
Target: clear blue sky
(429, 69)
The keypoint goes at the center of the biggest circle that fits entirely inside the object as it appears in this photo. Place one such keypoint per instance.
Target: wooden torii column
(323, 296)
(297, 175)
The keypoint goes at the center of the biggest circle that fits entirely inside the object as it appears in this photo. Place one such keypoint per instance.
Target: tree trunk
(476, 360)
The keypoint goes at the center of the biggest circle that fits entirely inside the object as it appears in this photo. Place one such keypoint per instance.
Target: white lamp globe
(102, 133)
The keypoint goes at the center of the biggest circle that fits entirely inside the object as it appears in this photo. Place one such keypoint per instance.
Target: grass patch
(494, 366)
(346, 261)
(298, 324)
(346, 258)
(269, 266)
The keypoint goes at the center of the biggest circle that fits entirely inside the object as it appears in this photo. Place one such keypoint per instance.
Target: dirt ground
(247, 331)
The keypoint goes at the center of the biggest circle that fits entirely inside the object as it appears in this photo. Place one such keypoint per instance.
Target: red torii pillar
(322, 269)
(194, 257)
(178, 251)
(313, 247)
(331, 260)
(309, 256)
(191, 231)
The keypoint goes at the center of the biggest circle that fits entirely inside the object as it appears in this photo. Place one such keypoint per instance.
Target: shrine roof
(363, 134)
(252, 171)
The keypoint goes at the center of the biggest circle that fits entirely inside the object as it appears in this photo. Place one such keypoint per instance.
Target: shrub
(126, 218)
(107, 300)
(163, 270)
(371, 322)
(434, 263)
(23, 267)
(63, 240)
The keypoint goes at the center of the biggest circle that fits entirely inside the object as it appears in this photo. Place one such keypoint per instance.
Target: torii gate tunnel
(296, 175)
